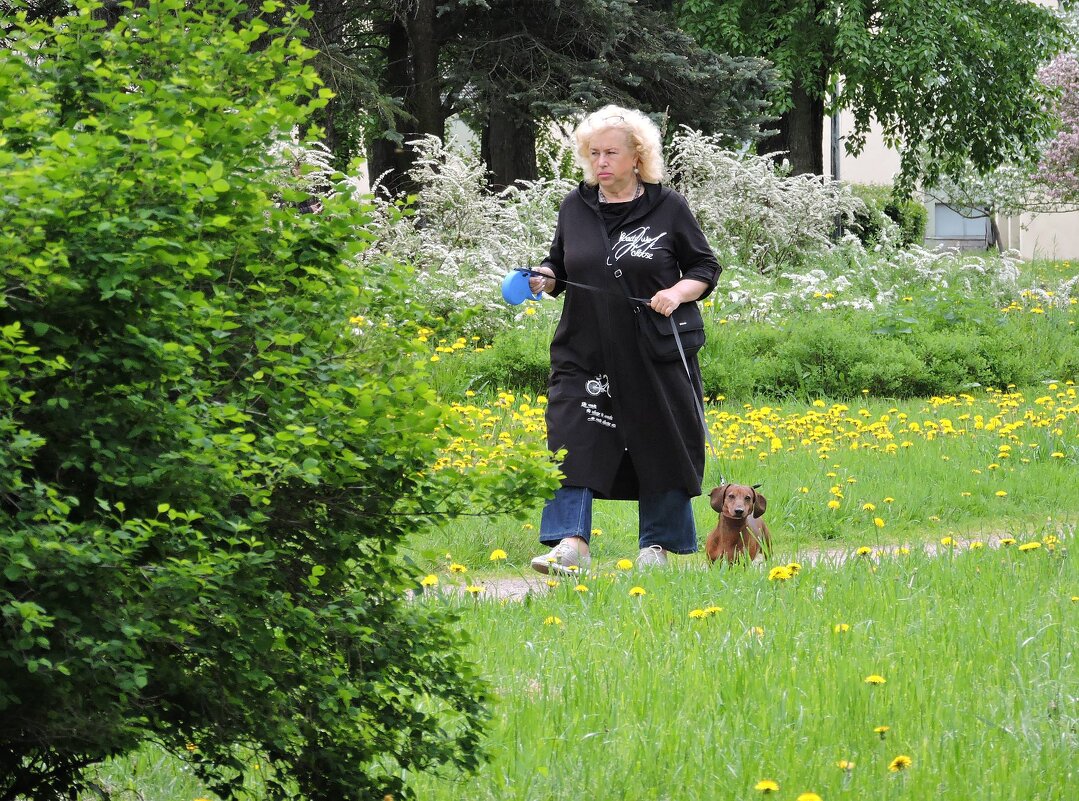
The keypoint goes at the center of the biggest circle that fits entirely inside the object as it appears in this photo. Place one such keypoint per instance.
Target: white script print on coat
(594, 415)
(636, 243)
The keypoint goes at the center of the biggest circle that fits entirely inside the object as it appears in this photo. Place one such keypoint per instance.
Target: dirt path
(518, 587)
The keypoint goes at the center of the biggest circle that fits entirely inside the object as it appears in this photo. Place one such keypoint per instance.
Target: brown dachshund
(740, 529)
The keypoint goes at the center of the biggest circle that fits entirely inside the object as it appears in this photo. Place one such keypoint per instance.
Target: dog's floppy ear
(715, 497)
(760, 503)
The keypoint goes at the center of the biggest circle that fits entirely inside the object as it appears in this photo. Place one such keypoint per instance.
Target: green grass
(606, 694)
(973, 467)
(631, 697)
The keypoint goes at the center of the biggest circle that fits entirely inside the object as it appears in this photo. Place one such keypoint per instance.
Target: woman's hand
(538, 283)
(666, 301)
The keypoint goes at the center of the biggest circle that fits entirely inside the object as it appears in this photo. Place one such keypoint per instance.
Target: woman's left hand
(666, 301)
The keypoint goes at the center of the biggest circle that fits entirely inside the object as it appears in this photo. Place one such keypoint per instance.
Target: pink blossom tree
(1059, 166)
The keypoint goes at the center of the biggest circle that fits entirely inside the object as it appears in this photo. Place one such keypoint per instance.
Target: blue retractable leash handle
(515, 290)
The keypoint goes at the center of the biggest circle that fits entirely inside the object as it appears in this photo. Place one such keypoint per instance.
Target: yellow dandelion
(473, 589)
(1001, 494)
(1007, 541)
(552, 582)
(875, 679)
(869, 507)
(581, 588)
(766, 786)
(878, 522)
(458, 568)
(755, 630)
(624, 564)
(698, 614)
(430, 580)
(712, 610)
(845, 764)
(637, 592)
(794, 567)
(497, 555)
(780, 573)
(841, 628)
(901, 762)
(865, 550)
(809, 797)
(976, 544)
(833, 504)
(882, 730)
(1030, 546)
(552, 620)
(947, 541)
(597, 532)
(1075, 599)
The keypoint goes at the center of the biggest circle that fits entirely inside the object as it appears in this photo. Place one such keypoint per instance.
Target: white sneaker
(563, 559)
(652, 556)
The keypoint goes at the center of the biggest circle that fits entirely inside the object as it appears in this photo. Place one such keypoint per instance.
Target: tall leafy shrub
(205, 468)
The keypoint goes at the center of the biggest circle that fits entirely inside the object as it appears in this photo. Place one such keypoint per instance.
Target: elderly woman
(628, 423)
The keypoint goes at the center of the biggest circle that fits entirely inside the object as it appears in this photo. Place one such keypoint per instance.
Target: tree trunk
(508, 146)
(801, 134)
(412, 51)
(387, 160)
(425, 101)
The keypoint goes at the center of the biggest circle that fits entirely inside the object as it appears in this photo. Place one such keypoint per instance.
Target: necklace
(636, 194)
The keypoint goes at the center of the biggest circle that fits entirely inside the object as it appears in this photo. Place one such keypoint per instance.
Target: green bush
(911, 216)
(839, 354)
(870, 221)
(205, 474)
(881, 206)
(519, 357)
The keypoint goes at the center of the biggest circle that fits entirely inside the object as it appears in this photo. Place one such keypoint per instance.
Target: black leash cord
(589, 287)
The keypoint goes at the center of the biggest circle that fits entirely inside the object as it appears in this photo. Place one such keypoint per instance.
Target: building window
(951, 223)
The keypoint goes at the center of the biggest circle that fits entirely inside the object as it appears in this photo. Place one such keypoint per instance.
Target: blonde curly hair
(642, 133)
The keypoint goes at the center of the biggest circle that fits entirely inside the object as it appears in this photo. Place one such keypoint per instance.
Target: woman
(629, 425)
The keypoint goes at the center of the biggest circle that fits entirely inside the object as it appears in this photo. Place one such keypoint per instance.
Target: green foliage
(205, 472)
(947, 82)
(917, 352)
(520, 357)
(882, 209)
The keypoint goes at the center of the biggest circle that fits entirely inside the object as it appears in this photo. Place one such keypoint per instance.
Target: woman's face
(613, 158)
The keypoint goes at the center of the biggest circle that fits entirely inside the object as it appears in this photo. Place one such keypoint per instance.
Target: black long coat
(630, 425)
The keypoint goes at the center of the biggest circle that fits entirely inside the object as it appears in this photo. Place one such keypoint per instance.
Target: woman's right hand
(538, 283)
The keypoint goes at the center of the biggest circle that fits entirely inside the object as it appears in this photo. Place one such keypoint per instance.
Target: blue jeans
(666, 519)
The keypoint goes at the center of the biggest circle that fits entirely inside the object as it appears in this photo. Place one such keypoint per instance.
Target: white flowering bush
(771, 232)
(460, 238)
(756, 215)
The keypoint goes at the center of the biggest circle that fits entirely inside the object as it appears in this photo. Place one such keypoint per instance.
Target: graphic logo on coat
(637, 243)
(600, 385)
